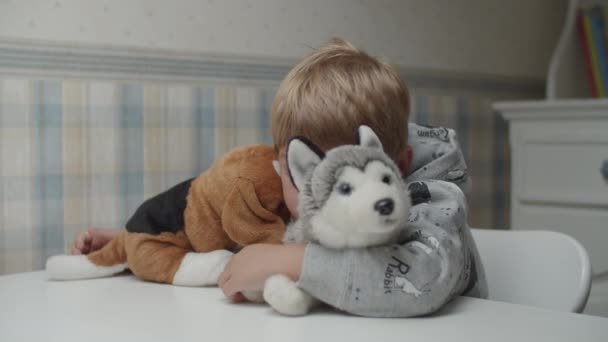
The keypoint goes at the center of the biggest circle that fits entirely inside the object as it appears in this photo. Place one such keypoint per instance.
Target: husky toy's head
(351, 196)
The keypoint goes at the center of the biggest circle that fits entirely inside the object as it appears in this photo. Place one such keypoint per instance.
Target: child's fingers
(99, 237)
(96, 243)
(223, 279)
(225, 275)
(83, 243)
(229, 289)
(238, 298)
(85, 239)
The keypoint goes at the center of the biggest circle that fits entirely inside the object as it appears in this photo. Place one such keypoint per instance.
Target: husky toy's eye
(386, 179)
(345, 188)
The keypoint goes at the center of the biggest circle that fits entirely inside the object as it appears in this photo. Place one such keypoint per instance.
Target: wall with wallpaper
(513, 38)
(88, 131)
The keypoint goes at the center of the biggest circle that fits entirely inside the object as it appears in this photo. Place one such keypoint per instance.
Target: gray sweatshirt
(436, 258)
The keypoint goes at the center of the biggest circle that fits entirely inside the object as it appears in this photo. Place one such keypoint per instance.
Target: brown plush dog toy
(237, 202)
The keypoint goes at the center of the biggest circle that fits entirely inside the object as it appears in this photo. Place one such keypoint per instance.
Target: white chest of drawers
(558, 148)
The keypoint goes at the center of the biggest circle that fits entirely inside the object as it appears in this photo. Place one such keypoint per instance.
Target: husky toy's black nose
(385, 206)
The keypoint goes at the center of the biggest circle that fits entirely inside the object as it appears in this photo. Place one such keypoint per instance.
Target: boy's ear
(405, 160)
(368, 138)
(302, 157)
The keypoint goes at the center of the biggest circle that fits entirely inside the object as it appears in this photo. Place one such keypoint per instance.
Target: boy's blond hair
(333, 91)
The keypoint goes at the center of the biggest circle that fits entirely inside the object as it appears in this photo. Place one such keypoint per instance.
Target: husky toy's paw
(254, 296)
(286, 297)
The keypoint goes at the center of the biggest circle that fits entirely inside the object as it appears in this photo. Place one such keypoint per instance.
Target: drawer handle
(605, 170)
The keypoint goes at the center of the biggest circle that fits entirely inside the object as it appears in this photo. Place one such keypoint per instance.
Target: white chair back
(536, 268)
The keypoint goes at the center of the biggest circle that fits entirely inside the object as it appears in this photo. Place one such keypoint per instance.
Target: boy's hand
(93, 239)
(249, 268)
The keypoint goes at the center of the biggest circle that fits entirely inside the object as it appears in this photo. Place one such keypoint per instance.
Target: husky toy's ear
(368, 138)
(302, 156)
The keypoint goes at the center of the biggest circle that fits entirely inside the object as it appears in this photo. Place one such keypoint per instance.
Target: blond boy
(325, 98)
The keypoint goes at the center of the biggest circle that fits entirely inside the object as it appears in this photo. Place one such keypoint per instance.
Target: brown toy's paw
(201, 269)
(73, 267)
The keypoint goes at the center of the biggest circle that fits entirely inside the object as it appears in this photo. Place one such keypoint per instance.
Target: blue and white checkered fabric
(77, 153)
(80, 153)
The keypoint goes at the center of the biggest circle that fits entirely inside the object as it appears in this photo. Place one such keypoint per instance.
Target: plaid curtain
(79, 153)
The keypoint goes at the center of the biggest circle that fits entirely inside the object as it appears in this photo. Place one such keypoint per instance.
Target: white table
(126, 309)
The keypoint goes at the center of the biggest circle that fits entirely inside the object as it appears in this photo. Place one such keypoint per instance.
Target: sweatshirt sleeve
(416, 276)
(437, 155)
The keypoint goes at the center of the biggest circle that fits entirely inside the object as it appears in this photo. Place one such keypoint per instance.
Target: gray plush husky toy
(353, 196)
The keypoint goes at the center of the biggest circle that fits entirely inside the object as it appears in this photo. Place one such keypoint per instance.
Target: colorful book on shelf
(597, 29)
(586, 39)
(605, 17)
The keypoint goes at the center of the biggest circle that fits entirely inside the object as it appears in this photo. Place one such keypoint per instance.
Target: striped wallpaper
(87, 150)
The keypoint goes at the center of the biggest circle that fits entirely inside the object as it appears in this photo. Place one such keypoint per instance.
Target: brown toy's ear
(302, 157)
